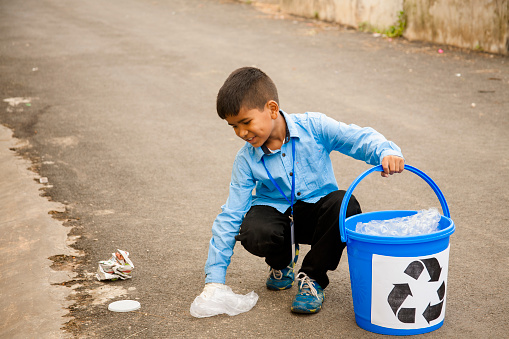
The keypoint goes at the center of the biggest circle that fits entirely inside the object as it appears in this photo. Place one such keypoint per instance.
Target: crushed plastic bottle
(424, 222)
(218, 299)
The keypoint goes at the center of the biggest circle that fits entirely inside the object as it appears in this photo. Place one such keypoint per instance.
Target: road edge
(33, 297)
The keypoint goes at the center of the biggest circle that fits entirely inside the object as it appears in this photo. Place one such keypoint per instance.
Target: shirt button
(298, 193)
(284, 154)
(291, 173)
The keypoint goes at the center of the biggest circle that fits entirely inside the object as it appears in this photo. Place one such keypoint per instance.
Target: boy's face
(253, 125)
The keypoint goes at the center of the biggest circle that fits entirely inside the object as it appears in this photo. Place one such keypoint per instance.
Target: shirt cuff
(216, 275)
(390, 152)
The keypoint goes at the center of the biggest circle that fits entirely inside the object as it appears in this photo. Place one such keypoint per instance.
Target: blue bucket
(398, 283)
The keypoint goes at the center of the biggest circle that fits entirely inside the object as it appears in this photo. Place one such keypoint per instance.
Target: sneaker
(283, 279)
(310, 297)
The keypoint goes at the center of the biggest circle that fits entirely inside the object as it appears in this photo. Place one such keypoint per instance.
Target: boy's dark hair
(246, 87)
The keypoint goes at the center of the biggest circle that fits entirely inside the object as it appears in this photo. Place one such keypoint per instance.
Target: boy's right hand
(209, 289)
(219, 298)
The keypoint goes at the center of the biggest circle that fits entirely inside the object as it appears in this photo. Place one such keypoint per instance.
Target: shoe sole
(307, 311)
(274, 288)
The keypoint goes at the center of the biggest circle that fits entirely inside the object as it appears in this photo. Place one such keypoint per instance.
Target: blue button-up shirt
(316, 136)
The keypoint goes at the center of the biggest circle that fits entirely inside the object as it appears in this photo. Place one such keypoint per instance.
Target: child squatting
(286, 161)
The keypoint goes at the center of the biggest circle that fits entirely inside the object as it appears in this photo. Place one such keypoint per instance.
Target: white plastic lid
(124, 306)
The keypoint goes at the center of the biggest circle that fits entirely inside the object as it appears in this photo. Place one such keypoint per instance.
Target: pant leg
(265, 232)
(322, 233)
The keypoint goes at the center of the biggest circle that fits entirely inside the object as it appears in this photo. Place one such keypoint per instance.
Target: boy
(296, 198)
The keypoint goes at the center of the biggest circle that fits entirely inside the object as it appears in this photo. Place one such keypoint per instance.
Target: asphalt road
(121, 120)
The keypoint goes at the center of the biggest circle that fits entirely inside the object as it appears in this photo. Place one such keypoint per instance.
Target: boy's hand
(392, 164)
(209, 289)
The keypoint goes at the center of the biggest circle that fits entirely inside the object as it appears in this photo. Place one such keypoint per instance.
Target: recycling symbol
(401, 292)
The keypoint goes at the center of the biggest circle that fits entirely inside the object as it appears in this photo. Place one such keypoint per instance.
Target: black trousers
(265, 232)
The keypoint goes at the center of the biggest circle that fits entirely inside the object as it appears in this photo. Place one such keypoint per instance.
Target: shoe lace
(306, 285)
(278, 274)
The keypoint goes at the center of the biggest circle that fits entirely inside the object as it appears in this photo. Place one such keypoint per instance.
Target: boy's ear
(274, 108)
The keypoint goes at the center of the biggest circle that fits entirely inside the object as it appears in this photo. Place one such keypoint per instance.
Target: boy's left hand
(392, 164)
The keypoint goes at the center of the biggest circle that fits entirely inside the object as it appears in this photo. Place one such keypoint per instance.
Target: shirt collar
(291, 132)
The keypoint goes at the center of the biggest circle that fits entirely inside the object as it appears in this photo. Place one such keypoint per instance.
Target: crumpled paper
(218, 299)
(119, 266)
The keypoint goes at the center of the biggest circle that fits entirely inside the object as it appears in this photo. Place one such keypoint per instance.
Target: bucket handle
(379, 168)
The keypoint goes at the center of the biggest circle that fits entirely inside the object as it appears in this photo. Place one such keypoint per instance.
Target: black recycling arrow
(441, 291)
(433, 267)
(400, 292)
(398, 295)
(432, 312)
(407, 315)
(414, 269)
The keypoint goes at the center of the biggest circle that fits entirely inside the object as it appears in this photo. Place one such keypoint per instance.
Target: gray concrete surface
(122, 122)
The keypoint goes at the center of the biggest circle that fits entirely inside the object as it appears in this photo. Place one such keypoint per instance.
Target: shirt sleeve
(227, 224)
(361, 143)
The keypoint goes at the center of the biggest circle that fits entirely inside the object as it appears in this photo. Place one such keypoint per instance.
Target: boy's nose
(242, 133)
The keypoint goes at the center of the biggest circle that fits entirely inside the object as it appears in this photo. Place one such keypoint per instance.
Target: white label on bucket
(409, 292)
